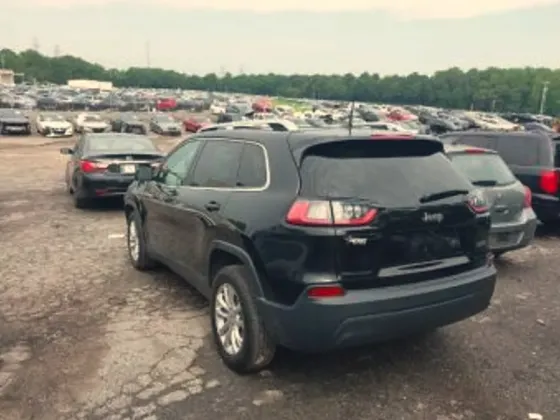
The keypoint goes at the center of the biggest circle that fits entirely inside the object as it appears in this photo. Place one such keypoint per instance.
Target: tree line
(491, 89)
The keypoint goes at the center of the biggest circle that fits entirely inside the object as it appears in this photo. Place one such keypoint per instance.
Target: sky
(290, 36)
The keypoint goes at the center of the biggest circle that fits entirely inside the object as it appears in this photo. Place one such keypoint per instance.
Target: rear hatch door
(424, 227)
(488, 171)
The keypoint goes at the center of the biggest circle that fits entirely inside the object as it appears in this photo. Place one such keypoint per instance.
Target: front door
(161, 198)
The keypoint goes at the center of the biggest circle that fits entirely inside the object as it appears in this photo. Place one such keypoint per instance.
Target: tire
(140, 259)
(256, 350)
(80, 202)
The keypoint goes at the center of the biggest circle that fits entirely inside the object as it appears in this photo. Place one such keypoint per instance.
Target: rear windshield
(483, 169)
(120, 144)
(390, 178)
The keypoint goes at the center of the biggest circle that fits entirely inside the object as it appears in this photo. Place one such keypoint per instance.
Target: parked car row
(376, 234)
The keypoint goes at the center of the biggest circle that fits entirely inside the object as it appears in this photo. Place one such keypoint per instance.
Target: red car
(166, 104)
(193, 124)
(262, 105)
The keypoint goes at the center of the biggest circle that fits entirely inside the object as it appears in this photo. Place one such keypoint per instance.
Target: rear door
(423, 224)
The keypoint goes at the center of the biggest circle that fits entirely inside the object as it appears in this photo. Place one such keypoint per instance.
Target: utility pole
(148, 60)
(56, 51)
(544, 92)
(35, 44)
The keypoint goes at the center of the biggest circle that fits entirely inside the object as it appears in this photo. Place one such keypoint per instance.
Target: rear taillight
(329, 213)
(325, 292)
(477, 202)
(549, 182)
(88, 166)
(527, 201)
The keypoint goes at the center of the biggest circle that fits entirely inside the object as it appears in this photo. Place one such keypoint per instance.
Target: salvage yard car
(165, 124)
(532, 157)
(13, 121)
(513, 220)
(53, 125)
(86, 122)
(314, 240)
(103, 165)
(128, 123)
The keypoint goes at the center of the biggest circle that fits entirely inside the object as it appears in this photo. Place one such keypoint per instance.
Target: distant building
(90, 84)
(7, 77)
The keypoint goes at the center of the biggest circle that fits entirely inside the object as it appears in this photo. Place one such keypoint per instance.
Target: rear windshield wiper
(485, 183)
(441, 195)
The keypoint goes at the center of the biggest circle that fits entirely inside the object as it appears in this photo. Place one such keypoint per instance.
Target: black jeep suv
(314, 240)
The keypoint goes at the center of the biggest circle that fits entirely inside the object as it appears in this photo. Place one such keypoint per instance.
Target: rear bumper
(516, 235)
(366, 316)
(546, 207)
(99, 186)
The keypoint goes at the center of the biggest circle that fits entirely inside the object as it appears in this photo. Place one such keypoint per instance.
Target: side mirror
(143, 173)
(66, 151)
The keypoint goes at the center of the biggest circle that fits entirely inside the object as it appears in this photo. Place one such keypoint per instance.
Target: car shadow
(548, 230)
(113, 204)
(418, 350)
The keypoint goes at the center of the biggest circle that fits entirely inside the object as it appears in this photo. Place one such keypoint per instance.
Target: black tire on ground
(144, 260)
(80, 202)
(257, 350)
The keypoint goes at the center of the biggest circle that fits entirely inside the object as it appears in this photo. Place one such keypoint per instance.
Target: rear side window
(483, 169)
(557, 153)
(218, 164)
(367, 170)
(252, 169)
(521, 151)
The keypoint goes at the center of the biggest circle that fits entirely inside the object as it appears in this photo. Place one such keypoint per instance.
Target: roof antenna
(352, 106)
(351, 117)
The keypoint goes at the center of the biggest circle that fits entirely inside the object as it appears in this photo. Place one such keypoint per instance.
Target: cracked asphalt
(85, 336)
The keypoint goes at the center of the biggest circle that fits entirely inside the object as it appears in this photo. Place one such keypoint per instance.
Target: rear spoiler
(384, 146)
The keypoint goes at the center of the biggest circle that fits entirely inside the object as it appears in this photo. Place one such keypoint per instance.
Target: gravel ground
(83, 335)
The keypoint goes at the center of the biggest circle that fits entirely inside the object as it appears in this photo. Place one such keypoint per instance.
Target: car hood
(14, 120)
(169, 125)
(95, 124)
(57, 124)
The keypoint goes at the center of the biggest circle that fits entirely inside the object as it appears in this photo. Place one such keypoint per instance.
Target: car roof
(465, 148)
(526, 134)
(303, 139)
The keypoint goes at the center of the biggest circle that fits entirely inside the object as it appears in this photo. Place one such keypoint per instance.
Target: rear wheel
(240, 336)
(136, 243)
(79, 201)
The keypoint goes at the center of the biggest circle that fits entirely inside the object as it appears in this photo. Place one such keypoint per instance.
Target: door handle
(212, 206)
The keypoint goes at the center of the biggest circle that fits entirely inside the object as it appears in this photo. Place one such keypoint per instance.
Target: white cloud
(408, 9)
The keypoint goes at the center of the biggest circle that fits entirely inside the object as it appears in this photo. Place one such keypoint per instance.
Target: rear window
(483, 168)
(112, 144)
(387, 175)
(520, 150)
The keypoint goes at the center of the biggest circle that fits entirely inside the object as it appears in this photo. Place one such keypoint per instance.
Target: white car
(53, 125)
(91, 123)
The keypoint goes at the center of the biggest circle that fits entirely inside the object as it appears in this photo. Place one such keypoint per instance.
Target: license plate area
(128, 169)
(420, 246)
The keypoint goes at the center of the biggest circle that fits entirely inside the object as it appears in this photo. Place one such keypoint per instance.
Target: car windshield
(53, 118)
(483, 168)
(92, 118)
(112, 144)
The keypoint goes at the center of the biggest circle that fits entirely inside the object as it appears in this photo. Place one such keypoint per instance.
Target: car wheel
(1, 129)
(80, 202)
(136, 244)
(240, 336)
